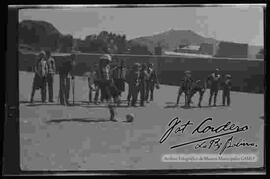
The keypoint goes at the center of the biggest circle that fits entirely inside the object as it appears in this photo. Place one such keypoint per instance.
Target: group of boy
(190, 87)
(141, 79)
(44, 69)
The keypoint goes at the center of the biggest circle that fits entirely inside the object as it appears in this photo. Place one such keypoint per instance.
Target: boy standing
(39, 81)
(185, 87)
(50, 76)
(214, 80)
(226, 90)
(91, 82)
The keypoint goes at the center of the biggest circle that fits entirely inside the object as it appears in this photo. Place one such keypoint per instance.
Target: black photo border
(11, 139)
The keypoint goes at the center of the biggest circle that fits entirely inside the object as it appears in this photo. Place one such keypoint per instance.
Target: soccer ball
(130, 117)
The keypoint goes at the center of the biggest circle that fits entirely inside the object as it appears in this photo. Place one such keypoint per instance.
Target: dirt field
(81, 137)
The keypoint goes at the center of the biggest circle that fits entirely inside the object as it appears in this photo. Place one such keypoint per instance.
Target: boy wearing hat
(151, 82)
(227, 85)
(133, 79)
(143, 80)
(214, 80)
(50, 76)
(197, 86)
(108, 89)
(185, 86)
(65, 71)
(41, 70)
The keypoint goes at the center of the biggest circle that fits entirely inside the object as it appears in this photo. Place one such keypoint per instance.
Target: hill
(42, 34)
(36, 35)
(171, 39)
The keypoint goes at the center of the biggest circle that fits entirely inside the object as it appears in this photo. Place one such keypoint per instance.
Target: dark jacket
(66, 68)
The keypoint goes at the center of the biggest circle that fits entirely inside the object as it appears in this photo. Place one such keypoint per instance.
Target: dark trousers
(43, 89)
(150, 86)
(97, 93)
(50, 86)
(142, 91)
(129, 92)
(39, 83)
(226, 97)
(105, 88)
(187, 96)
(64, 89)
(201, 92)
(213, 91)
(33, 93)
(134, 94)
(90, 95)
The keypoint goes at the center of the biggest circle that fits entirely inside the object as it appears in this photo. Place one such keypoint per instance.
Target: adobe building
(232, 50)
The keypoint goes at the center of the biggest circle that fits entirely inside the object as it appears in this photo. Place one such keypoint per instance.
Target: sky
(242, 24)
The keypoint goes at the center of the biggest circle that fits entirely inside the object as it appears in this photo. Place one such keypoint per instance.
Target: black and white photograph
(115, 88)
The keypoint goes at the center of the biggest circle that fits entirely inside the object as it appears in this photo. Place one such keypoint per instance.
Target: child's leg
(179, 95)
(228, 98)
(152, 87)
(90, 95)
(129, 93)
(112, 111)
(223, 97)
(147, 91)
(210, 97)
(201, 97)
(134, 94)
(215, 96)
(97, 93)
(33, 92)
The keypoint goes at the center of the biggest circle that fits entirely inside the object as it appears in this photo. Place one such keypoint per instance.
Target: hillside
(169, 40)
(42, 34)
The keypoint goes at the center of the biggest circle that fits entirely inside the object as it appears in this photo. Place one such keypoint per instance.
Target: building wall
(232, 50)
(207, 49)
(188, 51)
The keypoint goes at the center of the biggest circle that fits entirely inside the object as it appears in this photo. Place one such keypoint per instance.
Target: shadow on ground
(191, 107)
(89, 120)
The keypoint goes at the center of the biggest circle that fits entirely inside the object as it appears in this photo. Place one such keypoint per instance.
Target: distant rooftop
(191, 47)
(187, 54)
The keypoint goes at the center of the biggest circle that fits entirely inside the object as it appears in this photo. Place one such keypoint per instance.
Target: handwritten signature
(212, 141)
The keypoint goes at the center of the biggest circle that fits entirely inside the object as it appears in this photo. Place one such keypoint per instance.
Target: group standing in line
(108, 80)
(190, 87)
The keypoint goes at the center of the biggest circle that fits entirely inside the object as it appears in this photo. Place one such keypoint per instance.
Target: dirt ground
(81, 137)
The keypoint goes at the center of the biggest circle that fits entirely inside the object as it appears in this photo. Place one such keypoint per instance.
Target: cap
(187, 72)
(106, 57)
(42, 53)
(136, 65)
(228, 76)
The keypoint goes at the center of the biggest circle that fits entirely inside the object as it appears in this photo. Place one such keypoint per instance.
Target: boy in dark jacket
(227, 85)
(143, 80)
(214, 80)
(185, 86)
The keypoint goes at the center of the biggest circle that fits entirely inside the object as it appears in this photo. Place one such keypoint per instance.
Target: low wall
(248, 75)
